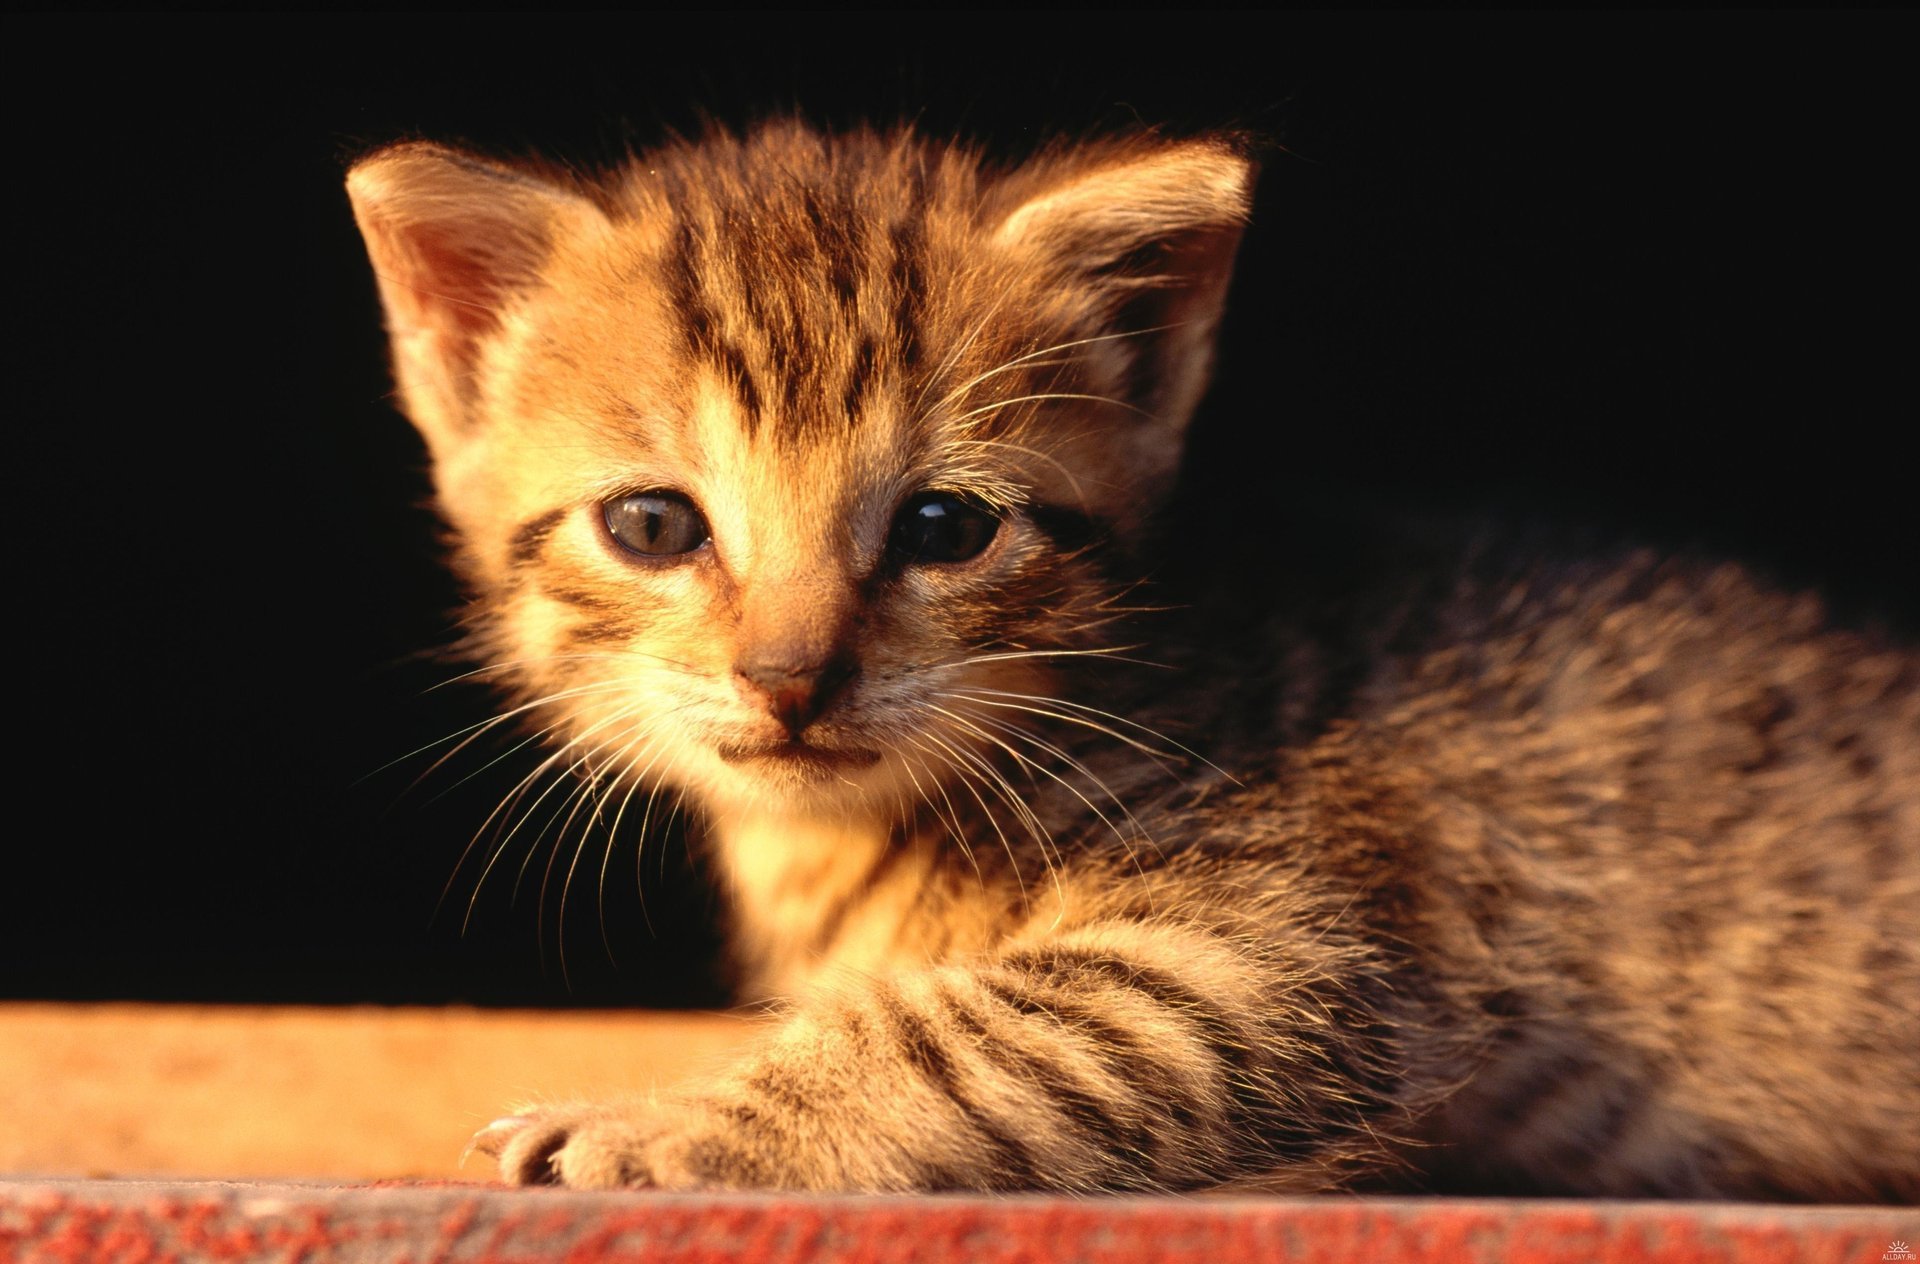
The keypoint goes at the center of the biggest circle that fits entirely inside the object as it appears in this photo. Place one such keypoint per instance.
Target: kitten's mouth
(799, 755)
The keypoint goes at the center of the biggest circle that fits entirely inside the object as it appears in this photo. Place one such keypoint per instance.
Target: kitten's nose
(795, 695)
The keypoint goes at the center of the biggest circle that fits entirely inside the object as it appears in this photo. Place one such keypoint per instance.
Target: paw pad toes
(602, 1158)
(528, 1156)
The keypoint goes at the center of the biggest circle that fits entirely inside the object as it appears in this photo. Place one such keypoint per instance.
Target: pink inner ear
(445, 285)
(452, 239)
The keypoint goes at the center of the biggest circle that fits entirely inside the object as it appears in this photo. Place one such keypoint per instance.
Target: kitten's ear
(1152, 233)
(455, 241)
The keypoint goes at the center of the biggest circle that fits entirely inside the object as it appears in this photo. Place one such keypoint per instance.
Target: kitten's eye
(656, 524)
(941, 527)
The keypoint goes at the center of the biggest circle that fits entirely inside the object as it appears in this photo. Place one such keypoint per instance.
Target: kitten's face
(784, 470)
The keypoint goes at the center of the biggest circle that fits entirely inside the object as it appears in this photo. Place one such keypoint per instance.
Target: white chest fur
(801, 886)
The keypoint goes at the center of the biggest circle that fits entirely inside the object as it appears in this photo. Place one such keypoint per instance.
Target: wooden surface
(348, 1094)
(74, 1222)
(355, 1095)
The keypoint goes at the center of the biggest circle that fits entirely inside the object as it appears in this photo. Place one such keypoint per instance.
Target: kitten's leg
(1116, 1056)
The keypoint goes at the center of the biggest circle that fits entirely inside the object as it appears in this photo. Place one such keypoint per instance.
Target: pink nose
(795, 695)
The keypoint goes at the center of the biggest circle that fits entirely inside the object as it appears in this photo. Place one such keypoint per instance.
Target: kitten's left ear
(1152, 234)
(456, 242)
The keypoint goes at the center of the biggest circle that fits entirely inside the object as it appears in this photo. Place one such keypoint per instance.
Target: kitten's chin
(797, 758)
(800, 776)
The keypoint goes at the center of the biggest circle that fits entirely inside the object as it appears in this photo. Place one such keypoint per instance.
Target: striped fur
(1509, 868)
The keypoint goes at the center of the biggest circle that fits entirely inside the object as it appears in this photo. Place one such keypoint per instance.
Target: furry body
(1502, 868)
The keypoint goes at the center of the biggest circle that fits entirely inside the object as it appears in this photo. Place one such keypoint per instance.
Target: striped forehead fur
(812, 268)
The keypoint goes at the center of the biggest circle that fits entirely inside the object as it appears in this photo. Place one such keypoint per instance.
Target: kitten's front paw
(590, 1147)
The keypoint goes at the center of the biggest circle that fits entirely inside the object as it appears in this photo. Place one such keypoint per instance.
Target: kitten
(815, 478)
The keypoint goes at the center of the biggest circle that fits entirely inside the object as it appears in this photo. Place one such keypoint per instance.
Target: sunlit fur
(1588, 876)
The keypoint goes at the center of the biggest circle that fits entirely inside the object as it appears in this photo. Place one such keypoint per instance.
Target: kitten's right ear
(455, 241)
(1152, 231)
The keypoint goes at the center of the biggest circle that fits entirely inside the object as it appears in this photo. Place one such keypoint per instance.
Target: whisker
(1017, 361)
(1159, 757)
(967, 784)
(529, 740)
(480, 726)
(1074, 764)
(589, 792)
(519, 792)
(665, 782)
(952, 826)
(1048, 853)
(634, 781)
(545, 660)
(1141, 834)
(997, 405)
(581, 793)
(958, 832)
(962, 760)
(574, 787)
(1002, 789)
(1073, 479)
(975, 693)
(508, 803)
(1116, 654)
(959, 351)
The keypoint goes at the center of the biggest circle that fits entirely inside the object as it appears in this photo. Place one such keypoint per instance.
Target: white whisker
(997, 405)
(1078, 767)
(1017, 361)
(992, 698)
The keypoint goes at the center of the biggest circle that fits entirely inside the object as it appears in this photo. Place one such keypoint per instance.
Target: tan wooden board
(355, 1093)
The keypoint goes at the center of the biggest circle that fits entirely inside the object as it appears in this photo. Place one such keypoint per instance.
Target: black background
(1654, 272)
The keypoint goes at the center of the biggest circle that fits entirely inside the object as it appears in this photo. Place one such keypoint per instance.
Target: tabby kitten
(814, 478)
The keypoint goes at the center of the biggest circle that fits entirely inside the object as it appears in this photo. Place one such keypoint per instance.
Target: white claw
(493, 1138)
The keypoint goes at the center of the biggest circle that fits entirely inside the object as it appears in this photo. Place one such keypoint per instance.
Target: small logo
(1898, 1250)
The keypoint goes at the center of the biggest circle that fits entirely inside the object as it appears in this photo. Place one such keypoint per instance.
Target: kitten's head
(769, 459)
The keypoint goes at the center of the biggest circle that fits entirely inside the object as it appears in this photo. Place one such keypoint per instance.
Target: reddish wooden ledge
(137, 1222)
